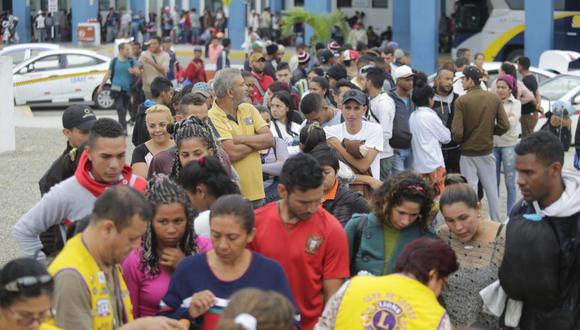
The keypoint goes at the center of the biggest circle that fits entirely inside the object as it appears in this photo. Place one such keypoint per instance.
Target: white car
(22, 52)
(564, 87)
(62, 76)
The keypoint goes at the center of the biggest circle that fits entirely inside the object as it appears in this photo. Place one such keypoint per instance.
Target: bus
(496, 27)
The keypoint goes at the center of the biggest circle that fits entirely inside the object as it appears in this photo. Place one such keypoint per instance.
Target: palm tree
(321, 24)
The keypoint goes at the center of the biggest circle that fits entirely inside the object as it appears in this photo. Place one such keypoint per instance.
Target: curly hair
(403, 187)
(162, 190)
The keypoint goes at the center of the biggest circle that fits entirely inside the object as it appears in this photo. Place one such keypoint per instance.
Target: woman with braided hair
(168, 240)
(401, 212)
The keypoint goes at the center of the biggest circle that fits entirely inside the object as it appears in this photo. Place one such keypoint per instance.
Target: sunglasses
(27, 282)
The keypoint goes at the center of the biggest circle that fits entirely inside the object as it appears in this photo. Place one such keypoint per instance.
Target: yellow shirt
(394, 302)
(247, 123)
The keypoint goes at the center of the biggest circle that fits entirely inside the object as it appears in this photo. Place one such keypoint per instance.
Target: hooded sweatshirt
(67, 202)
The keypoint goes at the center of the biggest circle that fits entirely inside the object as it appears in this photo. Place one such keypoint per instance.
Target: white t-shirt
(428, 135)
(40, 22)
(371, 133)
(382, 112)
(285, 136)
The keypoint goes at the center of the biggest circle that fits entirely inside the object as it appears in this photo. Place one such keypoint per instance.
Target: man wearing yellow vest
(89, 289)
(405, 300)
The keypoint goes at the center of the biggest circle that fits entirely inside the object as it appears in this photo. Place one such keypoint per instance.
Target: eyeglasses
(27, 282)
(28, 320)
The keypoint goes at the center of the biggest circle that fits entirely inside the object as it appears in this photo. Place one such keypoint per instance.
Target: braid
(162, 190)
(193, 127)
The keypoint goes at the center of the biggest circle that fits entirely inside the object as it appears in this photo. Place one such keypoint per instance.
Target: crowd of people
(337, 190)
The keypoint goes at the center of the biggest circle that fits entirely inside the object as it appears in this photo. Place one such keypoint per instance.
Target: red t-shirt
(312, 250)
(264, 80)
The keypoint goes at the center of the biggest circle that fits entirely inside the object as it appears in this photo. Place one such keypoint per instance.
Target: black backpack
(401, 138)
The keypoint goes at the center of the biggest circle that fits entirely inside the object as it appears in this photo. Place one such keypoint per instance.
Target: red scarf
(96, 188)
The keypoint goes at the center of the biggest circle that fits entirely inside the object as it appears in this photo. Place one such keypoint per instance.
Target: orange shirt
(330, 195)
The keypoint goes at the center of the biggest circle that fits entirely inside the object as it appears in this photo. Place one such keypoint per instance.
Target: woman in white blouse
(281, 108)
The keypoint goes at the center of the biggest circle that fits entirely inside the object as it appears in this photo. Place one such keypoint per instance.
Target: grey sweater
(67, 200)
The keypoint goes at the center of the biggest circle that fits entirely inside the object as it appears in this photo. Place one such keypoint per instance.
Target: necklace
(471, 244)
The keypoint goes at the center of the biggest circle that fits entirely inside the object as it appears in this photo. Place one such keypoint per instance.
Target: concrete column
(7, 131)
(82, 11)
(276, 5)
(539, 34)
(237, 23)
(138, 6)
(424, 34)
(319, 7)
(21, 9)
(401, 22)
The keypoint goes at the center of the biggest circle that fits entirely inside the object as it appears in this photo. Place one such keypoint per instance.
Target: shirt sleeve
(72, 301)
(139, 154)
(334, 132)
(457, 123)
(165, 60)
(257, 119)
(221, 128)
(525, 96)
(375, 137)
(132, 279)
(437, 129)
(171, 304)
(336, 261)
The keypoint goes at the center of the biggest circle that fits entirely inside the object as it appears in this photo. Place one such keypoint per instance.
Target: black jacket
(61, 169)
(541, 267)
(345, 204)
(562, 132)
(140, 132)
(445, 112)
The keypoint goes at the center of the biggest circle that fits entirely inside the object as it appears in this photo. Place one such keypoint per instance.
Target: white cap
(403, 71)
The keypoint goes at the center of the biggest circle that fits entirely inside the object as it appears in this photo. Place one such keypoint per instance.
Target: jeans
(194, 35)
(387, 167)
(122, 103)
(506, 156)
(403, 160)
(481, 169)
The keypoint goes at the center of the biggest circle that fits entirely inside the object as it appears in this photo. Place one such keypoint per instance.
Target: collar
(331, 195)
(222, 113)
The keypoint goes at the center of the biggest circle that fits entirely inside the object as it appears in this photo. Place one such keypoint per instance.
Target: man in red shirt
(263, 81)
(305, 239)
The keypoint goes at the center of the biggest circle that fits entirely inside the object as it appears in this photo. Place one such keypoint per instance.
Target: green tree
(321, 24)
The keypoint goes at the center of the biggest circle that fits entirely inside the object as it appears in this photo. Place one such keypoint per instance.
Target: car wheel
(104, 99)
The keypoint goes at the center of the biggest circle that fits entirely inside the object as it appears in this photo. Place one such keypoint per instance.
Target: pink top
(146, 292)
(213, 53)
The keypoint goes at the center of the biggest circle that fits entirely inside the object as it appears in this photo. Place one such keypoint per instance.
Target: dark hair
(160, 85)
(318, 71)
(122, 45)
(285, 98)
(326, 156)
(364, 60)
(282, 66)
(236, 205)
(460, 192)
(226, 42)
(423, 255)
(311, 135)
(323, 82)
(454, 178)
(360, 46)
(376, 76)
(461, 51)
(301, 172)
(510, 69)
(345, 83)
(18, 269)
(422, 94)
(246, 74)
(272, 310)
(448, 65)
(210, 172)
(387, 50)
(190, 99)
(419, 78)
(402, 187)
(105, 128)
(161, 190)
(158, 38)
(479, 54)
(120, 204)
(277, 86)
(311, 102)
(461, 62)
(544, 145)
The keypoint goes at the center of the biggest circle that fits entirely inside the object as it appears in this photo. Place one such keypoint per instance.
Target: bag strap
(259, 86)
(113, 69)
(357, 241)
(278, 132)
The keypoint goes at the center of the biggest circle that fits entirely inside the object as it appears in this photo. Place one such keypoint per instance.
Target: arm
(263, 140)
(328, 317)
(236, 151)
(386, 117)
(368, 180)
(329, 288)
(502, 122)
(104, 81)
(439, 131)
(362, 165)
(72, 301)
(457, 123)
(525, 95)
(141, 169)
(336, 262)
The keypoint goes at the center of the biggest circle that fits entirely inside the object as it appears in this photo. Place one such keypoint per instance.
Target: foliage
(321, 24)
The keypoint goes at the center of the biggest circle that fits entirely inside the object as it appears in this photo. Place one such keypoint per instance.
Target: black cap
(473, 73)
(79, 116)
(325, 56)
(337, 72)
(355, 94)
(524, 61)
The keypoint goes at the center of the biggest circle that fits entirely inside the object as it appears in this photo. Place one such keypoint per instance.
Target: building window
(298, 3)
(380, 3)
(344, 3)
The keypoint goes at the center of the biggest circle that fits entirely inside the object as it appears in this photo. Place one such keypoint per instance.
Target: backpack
(131, 62)
(401, 138)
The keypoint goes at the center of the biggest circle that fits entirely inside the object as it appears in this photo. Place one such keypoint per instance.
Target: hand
(154, 323)
(333, 142)
(201, 303)
(100, 89)
(540, 109)
(148, 60)
(171, 257)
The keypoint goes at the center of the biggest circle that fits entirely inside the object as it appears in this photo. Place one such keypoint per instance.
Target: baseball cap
(256, 57)
(524, 61)
(355, 94)
(473, 73)
(79, 116)
(350, 55)
(403, 71)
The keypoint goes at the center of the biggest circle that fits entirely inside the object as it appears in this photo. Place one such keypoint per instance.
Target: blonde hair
(271, 310)
(159, 108)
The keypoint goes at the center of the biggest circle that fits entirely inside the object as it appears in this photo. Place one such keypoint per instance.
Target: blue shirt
(172, 60)
(121, 76)
(194, 275)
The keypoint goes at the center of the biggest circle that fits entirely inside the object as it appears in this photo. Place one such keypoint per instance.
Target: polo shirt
(247, 122)
(310, 251)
